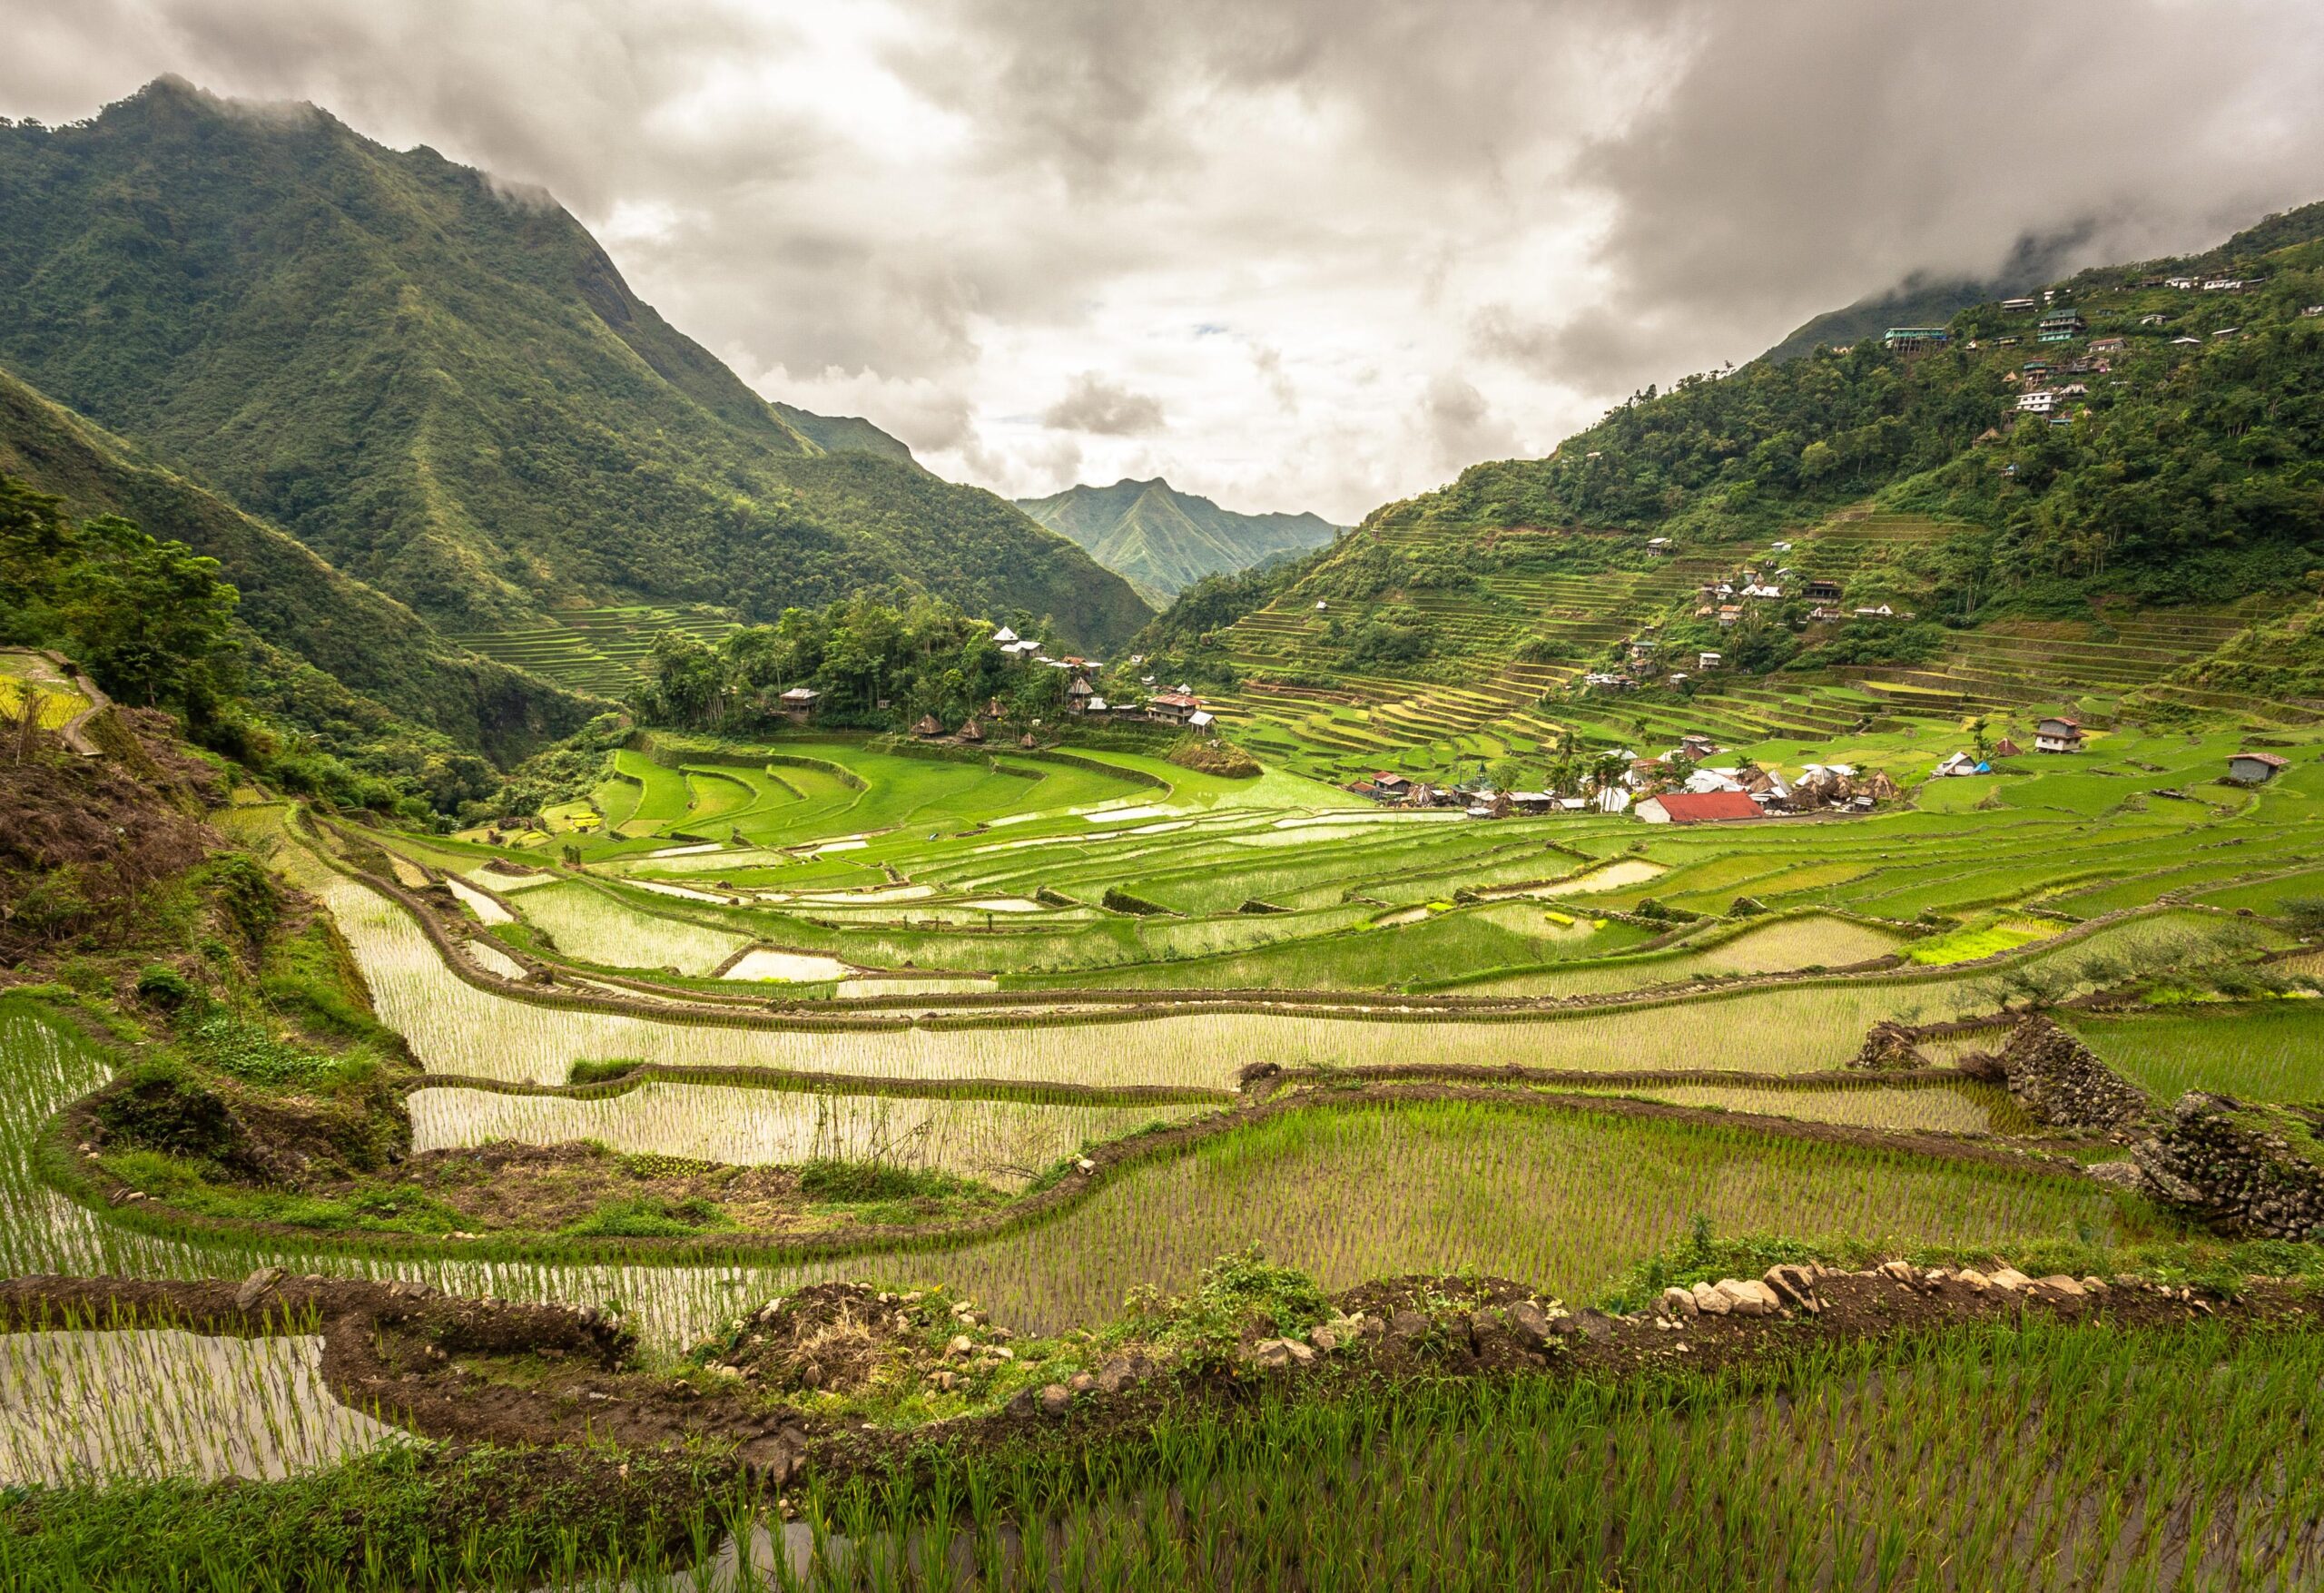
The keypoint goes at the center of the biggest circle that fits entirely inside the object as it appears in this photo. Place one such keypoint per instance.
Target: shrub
(163, 986)
(829, 1178)
(2304, 913)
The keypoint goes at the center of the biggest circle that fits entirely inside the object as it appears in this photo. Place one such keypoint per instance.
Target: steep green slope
(1924, 300)
(383, 664)
(1162, 540)
(844, 434)
(446, 390)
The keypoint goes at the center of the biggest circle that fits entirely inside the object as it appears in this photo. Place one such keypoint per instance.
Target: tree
(152, 619)
(685, 684)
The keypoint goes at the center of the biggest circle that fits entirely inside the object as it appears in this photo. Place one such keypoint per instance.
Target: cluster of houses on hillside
(1679, 787)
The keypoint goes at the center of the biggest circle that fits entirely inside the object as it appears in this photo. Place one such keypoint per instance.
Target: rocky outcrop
(1890, 1047)
(2245, 1170)
(2061, 1081)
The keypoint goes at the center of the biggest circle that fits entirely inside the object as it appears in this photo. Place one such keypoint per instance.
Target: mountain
(337, 658)
(445, 388)
(844, 433)
(1921, 300)
(1162, 540)
(2121, 513)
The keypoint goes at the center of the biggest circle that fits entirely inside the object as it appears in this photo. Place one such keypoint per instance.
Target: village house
(1730, 613)
(1201, 719)
(971, 731)
(2005, 748)
(2019, 306)
(1912, 341)
(2106, 345)
(1711, 807)
(1823, 590)
(2060, 326)
(797, 703)
(1077, 696)
(1003, 636)
(2313, 309)
(2184, 284)
(928, 726)
(1643, 773)
(2182, 341)
(1882, 612)
(2155, 319)
(2256, 768)
(2058, 734)
(1823, 614)
(1697, 746)
(1171, 707)
(2040, 401)
(1707, 661)
(2223, 284)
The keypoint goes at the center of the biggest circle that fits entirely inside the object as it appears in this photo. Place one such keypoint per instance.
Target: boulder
(1679, 1304)
(1531, 1324)
(2059, 1080)
(1794, 1285)
(1408, 1324)
(1054, 1400)
(2245, 1170)
(1890, 1047)
(1274, 1353)
(257, 1287)
(1709, 1302)
(1591, 1324)
(1749, 1297)
(2009, 1280)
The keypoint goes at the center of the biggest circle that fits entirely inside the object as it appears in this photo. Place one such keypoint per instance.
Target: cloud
(1460, 425)
(1095, 405)
(944, 214)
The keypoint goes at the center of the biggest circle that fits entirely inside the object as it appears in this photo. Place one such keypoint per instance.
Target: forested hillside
(387, 664)
(2192, 466)
(447, 390)
(1162, 540)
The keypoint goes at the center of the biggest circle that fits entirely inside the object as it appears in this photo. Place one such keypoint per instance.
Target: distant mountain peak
(1162, 540)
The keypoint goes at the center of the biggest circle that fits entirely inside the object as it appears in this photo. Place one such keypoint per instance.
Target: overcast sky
(1290, 253)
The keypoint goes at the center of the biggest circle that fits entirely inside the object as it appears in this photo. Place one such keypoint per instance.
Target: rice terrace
(1738, 1005)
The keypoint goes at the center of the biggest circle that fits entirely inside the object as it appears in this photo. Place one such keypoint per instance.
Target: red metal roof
(2270, 759)
(1686, 807)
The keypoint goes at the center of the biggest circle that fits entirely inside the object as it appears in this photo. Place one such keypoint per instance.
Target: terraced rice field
(1567, 1198)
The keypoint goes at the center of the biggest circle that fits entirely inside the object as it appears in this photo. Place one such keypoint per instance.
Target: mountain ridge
(1162, 540)
(388, 662)
(450, 392)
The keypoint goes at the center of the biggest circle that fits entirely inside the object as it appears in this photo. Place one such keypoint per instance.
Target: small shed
(2256, 768)
(928, 726)
(972, 731)
(2005, 748)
